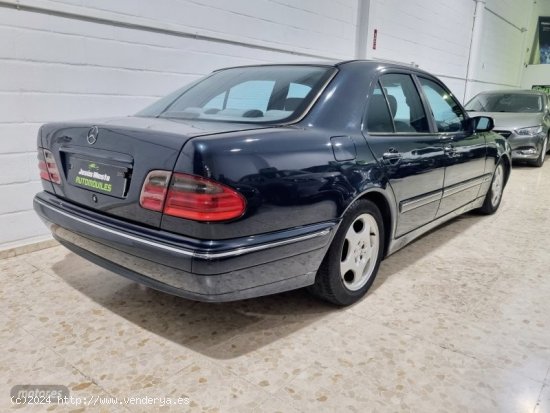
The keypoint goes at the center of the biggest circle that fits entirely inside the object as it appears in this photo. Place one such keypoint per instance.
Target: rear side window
(405, 105)
(378, 113)
(446, 111)
(263, 94)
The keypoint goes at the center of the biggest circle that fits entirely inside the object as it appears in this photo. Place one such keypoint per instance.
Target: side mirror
(482, 123)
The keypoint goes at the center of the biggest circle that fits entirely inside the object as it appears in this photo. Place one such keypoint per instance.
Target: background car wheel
(351, 264)
(540, 161)
(494, 195)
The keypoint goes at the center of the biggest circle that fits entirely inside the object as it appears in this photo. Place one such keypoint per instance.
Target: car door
(465, 151)
(399, 135)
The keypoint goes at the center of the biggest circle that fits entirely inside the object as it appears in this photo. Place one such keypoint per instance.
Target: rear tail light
(43, 168)
(191, 197)
(153, 192)
(201, 199)
(48, 167)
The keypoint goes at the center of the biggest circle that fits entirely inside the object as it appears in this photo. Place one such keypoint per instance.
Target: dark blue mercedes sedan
(261, 179)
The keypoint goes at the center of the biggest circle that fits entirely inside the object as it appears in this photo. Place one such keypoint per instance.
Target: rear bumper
(220, 270)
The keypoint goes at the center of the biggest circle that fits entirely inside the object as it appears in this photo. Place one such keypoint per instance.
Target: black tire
(330, 284)
(489, 205)
(540, 160)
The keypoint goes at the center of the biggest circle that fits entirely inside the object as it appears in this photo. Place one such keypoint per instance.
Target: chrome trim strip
(398, 243)
(409, 205)
(116, 232)
(418, 202)
(186, 252)
(463, 186)
(246, 250)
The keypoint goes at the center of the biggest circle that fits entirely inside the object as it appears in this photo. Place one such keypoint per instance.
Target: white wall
(501, 51)
(66, 59)
(437, 36)
(536, 75)
(58, 68)
(433, 34)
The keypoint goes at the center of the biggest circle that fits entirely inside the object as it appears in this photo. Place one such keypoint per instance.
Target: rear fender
(288, 175)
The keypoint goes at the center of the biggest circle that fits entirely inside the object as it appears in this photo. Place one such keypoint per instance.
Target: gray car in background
(521, 116)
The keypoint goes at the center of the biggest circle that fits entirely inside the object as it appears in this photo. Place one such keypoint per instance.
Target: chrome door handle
(447, 142)
(392, 156)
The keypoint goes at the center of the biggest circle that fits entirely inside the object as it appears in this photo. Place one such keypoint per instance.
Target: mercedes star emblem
(92, 135)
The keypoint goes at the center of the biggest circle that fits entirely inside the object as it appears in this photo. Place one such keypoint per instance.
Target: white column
(475, 48)
(362, 32)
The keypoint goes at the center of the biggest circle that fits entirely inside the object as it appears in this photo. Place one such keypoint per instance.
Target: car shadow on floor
(423, 245)
(209, 328)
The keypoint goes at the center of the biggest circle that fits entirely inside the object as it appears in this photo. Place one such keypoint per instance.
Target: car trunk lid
(103, 163)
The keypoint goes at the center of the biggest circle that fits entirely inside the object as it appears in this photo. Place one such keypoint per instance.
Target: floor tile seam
(539, 398)
(460, 353)
(73, 366)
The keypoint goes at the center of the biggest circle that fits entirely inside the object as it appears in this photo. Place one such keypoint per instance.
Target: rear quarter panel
(288, 175)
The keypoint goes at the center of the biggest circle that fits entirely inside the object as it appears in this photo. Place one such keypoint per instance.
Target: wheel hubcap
(496, 187)
(359, 252)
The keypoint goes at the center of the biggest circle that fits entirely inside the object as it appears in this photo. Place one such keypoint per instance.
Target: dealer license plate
(98, 177)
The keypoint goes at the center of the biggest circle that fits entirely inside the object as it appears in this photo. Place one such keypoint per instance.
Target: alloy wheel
(497, 185)
(359, 252)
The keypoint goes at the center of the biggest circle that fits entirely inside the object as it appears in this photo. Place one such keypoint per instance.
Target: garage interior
(457, 321)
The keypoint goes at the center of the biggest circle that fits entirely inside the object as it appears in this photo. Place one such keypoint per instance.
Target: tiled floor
(458, 321)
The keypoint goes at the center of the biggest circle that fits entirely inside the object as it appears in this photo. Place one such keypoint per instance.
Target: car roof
(326, 63)
(338, 63)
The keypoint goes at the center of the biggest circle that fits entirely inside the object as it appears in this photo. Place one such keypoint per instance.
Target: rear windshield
(506, 102)
(264, 94)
